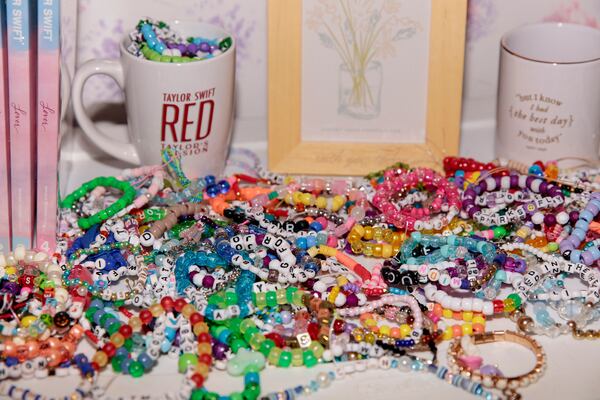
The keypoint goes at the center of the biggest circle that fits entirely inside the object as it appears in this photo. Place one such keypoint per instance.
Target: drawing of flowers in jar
(363, 33)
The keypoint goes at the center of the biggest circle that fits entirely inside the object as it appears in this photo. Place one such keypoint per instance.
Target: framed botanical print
(357, 85)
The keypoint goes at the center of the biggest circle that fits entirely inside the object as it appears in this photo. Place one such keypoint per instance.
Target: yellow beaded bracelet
(390, 246)
(310, 200)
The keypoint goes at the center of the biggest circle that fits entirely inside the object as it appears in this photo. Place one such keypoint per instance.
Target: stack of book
(30, 101)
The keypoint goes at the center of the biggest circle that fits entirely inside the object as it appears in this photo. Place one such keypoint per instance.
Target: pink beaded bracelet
(389, 300)
(445, 199)
(156, 184)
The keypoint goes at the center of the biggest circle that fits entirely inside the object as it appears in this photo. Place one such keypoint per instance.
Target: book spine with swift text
(48, 121)
(5, 225)
(21, 20)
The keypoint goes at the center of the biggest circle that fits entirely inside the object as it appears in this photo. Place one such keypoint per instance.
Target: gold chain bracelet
(509, 385)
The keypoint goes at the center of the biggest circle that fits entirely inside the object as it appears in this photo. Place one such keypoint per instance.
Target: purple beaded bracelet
(553, 197)
(568, 247)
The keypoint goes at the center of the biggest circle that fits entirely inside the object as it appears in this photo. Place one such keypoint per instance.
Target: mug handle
(124, 151)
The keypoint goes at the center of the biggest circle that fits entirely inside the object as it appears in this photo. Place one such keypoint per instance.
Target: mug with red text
(187, 107)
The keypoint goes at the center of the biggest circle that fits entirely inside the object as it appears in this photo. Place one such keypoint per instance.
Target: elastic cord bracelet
(343, 259)
(158, 228)
(445, 198)
(117, 206)
(156, 184)
(553, 197)
(568, 247)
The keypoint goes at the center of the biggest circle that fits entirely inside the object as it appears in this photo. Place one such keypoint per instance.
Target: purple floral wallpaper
(231, 17)
(108, 33)
(574, 12)
(481, 15)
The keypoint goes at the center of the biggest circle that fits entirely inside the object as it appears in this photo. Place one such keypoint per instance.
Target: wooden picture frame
(288, 153)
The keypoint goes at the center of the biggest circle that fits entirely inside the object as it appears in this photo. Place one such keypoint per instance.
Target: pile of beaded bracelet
(546, 327)
(357, 268)
(24, 358)
(406, 363)
(310, 349)
(280, 321)
(508, 274)
(286, 267)
(320, 185)
(513, 301)
(31, 294)
(571, 310)
(191, 324)
(16, 393)
(198, 264)
(76, 275)
(461, 274)
(306, 232)
(524, 288)
(587, 179)
(327, 215)
(583, 314)
(446, 199)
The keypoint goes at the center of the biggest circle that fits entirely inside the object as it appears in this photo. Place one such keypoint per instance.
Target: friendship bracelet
(568, 247)
(277, 283)
(507, 384)
(158, 228)
(113, 209)
(389, 248)
(446, 197)
(553, 198)
(343, 259)
(156, 184)
(387, 300)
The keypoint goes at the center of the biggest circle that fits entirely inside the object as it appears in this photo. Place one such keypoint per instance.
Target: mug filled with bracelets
(179, 86)
(230, 274)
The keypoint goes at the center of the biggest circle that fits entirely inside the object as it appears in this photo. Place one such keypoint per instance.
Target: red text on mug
(187, 117)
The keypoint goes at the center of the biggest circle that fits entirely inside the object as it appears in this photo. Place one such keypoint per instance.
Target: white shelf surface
(84, 161)
(572, 364)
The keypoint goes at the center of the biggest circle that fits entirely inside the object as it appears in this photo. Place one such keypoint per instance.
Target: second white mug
(549, 93)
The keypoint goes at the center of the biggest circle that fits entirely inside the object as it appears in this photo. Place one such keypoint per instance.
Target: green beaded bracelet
(103, 215)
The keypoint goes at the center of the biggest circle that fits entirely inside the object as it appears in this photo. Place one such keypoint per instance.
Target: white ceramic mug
(549, 93)
(187, 106)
